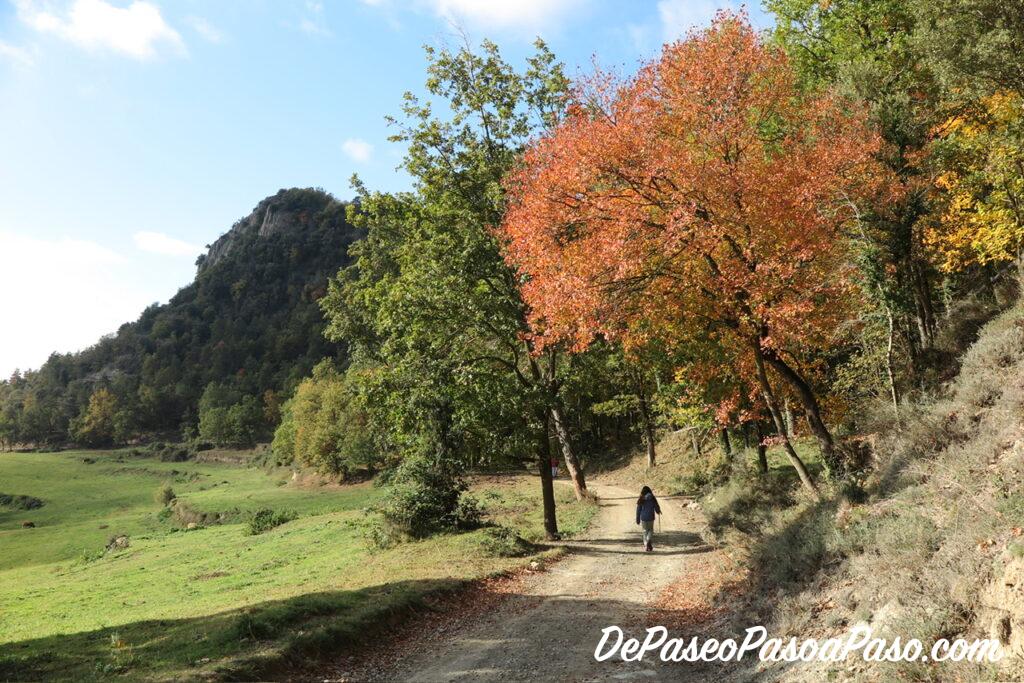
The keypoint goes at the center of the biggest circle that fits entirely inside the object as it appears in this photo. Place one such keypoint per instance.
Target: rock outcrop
(271, 216)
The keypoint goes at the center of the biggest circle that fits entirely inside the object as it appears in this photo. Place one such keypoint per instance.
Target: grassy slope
(920, 556)
(174, 599)
(680, 472)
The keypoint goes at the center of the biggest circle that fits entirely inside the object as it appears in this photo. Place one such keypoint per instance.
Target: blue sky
(136, 132)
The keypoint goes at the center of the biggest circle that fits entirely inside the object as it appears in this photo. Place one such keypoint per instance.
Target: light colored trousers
(648, 528)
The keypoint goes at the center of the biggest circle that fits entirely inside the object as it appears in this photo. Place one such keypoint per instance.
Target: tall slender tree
(429, 303)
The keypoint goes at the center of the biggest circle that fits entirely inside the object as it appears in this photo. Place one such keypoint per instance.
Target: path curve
(550, 629)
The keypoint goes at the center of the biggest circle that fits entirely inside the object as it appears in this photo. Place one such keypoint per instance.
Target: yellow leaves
(1004, 108)
(982, 188)
(947, 181)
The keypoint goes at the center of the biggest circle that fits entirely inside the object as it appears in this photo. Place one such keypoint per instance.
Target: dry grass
(679, 471)
(919, 557)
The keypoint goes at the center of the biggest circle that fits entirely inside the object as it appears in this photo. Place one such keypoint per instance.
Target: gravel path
(548, 630)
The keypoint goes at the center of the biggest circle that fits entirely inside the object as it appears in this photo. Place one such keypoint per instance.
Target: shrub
(500, 541)
(266, 519)
(164, 495)
(469, 513)
(20, 502)
(184, 514)
(424, 497)
(382, 536)
(169, 452)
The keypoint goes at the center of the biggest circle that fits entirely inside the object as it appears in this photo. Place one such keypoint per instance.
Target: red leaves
(705, 197)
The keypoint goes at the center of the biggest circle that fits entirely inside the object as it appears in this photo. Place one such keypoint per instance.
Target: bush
(164, 495)
(425, 497)
(20, 502)
(184, 514)
(500, 541)
(169, 452)
(469, 513)
(266, 519)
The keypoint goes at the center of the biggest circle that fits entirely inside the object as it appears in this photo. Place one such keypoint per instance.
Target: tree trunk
(780, 427)
(762, 450)
(652, 459)
(547, 487)
(913, 343)
(787, 412)
(923, 296)
(723, 439)
(572, 463)
(648, 419)
(889, 369)
(811, 409)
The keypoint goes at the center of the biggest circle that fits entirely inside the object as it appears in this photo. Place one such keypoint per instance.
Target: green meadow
(213, 599)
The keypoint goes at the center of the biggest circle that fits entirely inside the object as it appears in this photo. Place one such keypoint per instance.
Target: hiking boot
(649, 547)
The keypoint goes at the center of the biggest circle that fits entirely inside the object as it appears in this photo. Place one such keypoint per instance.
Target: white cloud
(525, 15)
(61, 294)
(314, 21)
(137, 30)
(16, 55)
(357, 150)
(208, 31)
(159, 243)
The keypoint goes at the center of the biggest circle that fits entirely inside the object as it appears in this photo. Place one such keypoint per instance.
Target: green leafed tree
(325, 426)
(973, 46)
(227, 418)
(430, 305)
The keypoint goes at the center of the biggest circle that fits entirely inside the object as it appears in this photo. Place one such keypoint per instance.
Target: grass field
(182, 603)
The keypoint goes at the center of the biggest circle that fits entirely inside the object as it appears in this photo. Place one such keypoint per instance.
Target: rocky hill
(249, 321)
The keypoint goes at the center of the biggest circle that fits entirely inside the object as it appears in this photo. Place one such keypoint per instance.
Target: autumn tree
(703, 200)
(980, 154)
(102, 422)
(324, 425)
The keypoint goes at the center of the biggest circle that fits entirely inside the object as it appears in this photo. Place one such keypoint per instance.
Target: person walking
(646, 510)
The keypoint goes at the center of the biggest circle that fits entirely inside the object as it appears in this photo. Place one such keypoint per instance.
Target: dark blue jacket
(645, 510)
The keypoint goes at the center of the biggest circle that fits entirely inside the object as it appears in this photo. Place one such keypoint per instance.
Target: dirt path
(548, 629)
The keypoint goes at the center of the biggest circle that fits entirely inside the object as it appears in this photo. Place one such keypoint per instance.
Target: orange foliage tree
(703, 202)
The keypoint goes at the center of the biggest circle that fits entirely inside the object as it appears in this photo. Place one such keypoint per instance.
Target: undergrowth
(938, 521)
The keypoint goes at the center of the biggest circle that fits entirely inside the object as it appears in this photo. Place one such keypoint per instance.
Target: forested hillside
(236, 339)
